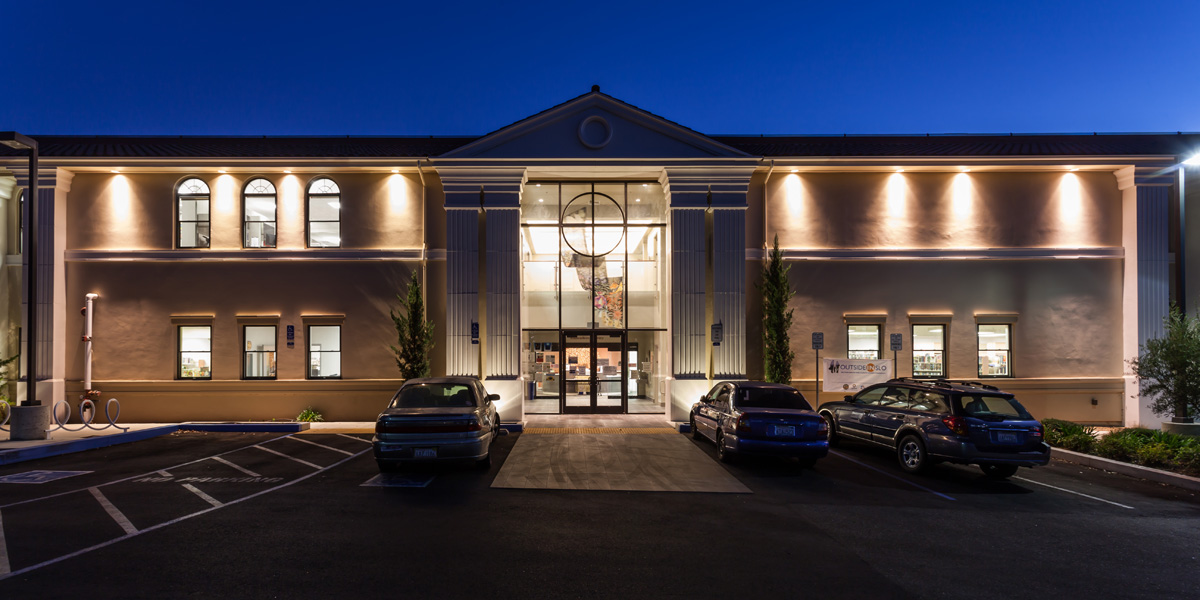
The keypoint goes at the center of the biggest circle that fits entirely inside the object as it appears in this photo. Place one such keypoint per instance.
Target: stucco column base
(685, 393)
(30, 422)
(1192, 429)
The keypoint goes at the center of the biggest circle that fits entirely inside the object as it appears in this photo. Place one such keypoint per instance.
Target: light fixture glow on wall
(221, 170)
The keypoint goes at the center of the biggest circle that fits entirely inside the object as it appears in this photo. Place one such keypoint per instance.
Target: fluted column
(462, 290)
(729, 291)
(503, 297)
(688, 282)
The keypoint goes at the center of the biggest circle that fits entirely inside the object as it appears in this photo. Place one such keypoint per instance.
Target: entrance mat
(614, 461)
(610, 430)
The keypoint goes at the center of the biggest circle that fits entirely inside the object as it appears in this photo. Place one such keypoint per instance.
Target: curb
(16, 455)
(1157, 475)
(245, 427)
(513, 427)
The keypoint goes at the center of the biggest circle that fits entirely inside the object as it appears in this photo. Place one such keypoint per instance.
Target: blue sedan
(753, 417)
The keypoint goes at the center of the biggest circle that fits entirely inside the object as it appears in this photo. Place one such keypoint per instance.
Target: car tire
(911, 454)
(696, 435)
(833, 436)
(386, 466)
(723, 454)
(998, 471)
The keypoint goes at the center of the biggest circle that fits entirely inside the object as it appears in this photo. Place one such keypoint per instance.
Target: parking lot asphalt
(269, 515)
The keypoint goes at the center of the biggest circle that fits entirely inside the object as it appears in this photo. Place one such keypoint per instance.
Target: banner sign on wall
(849, 376)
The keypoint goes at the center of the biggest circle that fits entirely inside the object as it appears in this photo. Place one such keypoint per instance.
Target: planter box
(1192, 429)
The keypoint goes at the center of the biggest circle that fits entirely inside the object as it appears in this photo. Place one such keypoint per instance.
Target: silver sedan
(437, 419)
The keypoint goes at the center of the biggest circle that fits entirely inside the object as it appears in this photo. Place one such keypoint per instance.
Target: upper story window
(258, 214)
(192, 202)
(324, 209)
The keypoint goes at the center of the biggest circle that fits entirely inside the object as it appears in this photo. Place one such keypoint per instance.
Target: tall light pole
(15, 140)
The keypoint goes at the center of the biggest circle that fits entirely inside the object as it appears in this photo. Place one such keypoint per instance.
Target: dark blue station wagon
(753, 417)
(926, 422)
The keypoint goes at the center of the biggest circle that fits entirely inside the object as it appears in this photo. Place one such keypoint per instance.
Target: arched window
(258, 214)
(324, 208)
(192, 201)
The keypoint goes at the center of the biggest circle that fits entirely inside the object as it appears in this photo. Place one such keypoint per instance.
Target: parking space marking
(140, 475)
(300, 439)
(195, 490)
(113, 511)
(303, 462)
(52, 561)
(1077, 493)
(897, 478)
(354, 438)
(166, 473)
(226, 462)
(4, 566)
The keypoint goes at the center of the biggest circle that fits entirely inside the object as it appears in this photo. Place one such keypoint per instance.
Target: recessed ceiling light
(637, 199)
(1074, 169)
(220, 170)
(795, 170)
(1195, 160)
(287, 170)
(966, 170)
(395, 170)
(645, 185)
(899, 170)
(539, 185)
(539, 200)
(114, 171)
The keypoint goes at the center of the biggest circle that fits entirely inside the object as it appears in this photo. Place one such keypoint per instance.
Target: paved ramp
(645, 459)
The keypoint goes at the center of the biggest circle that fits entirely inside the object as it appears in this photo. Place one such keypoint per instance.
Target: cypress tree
(414, 334)
(777, 318)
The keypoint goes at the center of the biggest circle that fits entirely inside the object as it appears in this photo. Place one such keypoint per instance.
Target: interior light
(1195, 160)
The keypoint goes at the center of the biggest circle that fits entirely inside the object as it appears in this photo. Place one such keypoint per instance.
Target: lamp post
(15, 140)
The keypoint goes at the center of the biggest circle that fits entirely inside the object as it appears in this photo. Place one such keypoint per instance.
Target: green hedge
(1138, 445)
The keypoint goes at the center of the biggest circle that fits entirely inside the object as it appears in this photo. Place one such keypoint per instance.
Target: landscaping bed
(1136, 445)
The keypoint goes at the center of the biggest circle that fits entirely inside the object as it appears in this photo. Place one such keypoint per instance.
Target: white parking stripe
(4, 576)
(882, 472)
(113, 512)
(354, 438)
(209, 499)
(4, 566)
(303, 462)
(165, 473)
(140, 475)
(1077, 493)
(238, 467)
(300, 439)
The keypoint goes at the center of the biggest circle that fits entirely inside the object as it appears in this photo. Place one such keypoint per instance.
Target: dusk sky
(468, 68)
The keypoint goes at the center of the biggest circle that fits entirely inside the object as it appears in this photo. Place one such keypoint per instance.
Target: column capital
(1152, 176)
(706, 186)
(487, 187)
(56, 178)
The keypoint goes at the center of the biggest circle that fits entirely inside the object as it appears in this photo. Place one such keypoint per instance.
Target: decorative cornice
(1106, 253)
(206, 255)
(500, 186)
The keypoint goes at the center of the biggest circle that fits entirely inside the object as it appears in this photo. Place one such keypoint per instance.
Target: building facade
(594, 258)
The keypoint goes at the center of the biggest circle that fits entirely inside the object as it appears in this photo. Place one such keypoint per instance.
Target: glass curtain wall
(591, 261)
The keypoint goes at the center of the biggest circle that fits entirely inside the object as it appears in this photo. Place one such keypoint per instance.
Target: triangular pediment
(597, 126)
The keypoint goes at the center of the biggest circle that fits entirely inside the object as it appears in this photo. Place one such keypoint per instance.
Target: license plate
(424, 452)
(1004, 437)
(788, 430)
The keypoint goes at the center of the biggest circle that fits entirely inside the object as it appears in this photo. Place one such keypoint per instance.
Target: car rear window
(991, 406)
(772, 398)
(434, 395)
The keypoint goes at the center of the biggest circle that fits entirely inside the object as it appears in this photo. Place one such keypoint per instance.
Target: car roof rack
(945, 383)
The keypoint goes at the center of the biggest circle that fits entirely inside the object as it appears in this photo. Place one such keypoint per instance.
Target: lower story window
(258, 358)
(995, 350)
(863, 341)
(195, 352)
(929, 350)
(324, 351)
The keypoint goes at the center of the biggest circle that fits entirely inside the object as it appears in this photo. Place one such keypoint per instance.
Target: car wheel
(833, 436)
(696, 435)
(386, 466)
(724, 455)
(998, 471)
(911, 453)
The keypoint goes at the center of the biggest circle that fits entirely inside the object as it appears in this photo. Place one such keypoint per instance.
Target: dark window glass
(992, 407)
(870, 397)
(434, 395)
(773, 398)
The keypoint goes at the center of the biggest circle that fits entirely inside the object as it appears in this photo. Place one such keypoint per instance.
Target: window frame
(944, 351)
(308, 350)
(878, 340)
(246, 353)
(1008, 351)
(179, 197)
(274, 196)
(308, 212)
(179, 352)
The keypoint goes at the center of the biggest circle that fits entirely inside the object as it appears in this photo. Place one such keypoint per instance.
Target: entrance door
(593, 374)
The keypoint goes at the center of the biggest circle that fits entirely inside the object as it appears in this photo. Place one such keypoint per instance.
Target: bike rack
(86, 407)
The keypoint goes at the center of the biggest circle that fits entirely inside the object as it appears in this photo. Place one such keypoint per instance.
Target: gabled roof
(242, 147)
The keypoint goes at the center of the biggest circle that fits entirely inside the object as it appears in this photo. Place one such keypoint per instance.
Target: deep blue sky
(465, 68)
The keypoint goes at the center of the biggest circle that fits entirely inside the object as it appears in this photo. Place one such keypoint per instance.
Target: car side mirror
(703, 399)
(849, 398)
(492, 397)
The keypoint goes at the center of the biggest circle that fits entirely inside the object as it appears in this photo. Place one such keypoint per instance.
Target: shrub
(1188, 459)
(1071, 436)
(309, 415)
(1083, 441)
(1118, 447)
(1153, 454)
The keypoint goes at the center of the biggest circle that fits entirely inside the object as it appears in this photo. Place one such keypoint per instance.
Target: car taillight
(1036, 431)
(743, 423)
(956, 424)
(822, 426)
